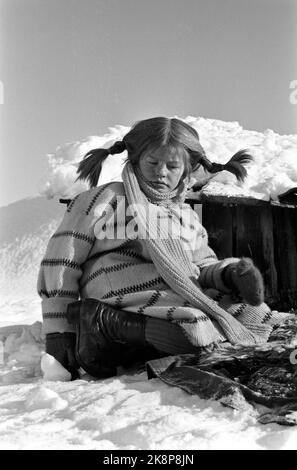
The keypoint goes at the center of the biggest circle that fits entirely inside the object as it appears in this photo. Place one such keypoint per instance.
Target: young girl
(138, 259)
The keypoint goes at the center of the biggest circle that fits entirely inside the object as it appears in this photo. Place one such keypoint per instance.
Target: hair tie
(117, 147)
(216, 167)
(235, 165)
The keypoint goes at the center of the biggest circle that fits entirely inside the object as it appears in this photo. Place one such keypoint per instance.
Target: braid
(118, 147)
(235, 165)
(89, 168)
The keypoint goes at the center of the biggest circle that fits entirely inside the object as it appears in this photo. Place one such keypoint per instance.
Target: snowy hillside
(128, 411)
(25, 230)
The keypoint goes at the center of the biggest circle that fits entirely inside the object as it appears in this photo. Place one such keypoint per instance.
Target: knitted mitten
(243, 277)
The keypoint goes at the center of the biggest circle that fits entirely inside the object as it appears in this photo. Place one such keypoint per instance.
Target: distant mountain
(25, 228)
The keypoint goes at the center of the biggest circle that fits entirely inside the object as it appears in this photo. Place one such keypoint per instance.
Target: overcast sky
(72, 68)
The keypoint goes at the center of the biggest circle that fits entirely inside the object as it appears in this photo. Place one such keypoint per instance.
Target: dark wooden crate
(264, 231)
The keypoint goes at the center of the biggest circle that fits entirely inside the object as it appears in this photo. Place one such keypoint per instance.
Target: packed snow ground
(128, 411)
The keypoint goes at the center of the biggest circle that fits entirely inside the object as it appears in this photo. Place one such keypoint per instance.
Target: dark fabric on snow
(261, 378)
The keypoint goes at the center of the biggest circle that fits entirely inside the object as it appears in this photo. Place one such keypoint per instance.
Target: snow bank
(21, 349)
(64, 161)
(273, 171)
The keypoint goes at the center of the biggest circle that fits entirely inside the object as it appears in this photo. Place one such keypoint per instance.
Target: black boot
(107, 338)
(83, 315)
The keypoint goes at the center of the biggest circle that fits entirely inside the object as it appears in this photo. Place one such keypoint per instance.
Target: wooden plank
(247, 232)
(269, 271)
(242, 200)
(285, 235)
(254, 238)
(217, 220)
(220, 199)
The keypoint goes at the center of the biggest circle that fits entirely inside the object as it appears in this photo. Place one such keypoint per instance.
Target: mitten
(243, 277)
(62, 347)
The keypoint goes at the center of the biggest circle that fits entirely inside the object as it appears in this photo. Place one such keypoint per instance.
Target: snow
(52, 369)
(40, 408)
(127, 412)
(273, 171)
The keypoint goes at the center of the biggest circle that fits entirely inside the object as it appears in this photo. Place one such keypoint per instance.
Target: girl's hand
(243, 277)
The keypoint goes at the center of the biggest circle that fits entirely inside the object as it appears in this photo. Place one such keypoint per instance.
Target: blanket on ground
(261, 379)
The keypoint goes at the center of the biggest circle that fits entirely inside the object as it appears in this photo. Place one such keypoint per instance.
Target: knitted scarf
(174, 265)
(167, 199)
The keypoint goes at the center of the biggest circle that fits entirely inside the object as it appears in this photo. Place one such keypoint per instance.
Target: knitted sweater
(118, 270)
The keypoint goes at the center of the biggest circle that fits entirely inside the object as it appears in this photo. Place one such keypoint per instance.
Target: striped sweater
(79, 262)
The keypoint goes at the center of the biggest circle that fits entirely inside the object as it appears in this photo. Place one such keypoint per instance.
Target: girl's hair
(165, 133)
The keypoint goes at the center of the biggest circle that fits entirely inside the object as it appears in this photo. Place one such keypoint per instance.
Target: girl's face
(162, 168)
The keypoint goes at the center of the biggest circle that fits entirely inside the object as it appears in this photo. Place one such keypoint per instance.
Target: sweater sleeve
(203, 255)
(61, 268)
